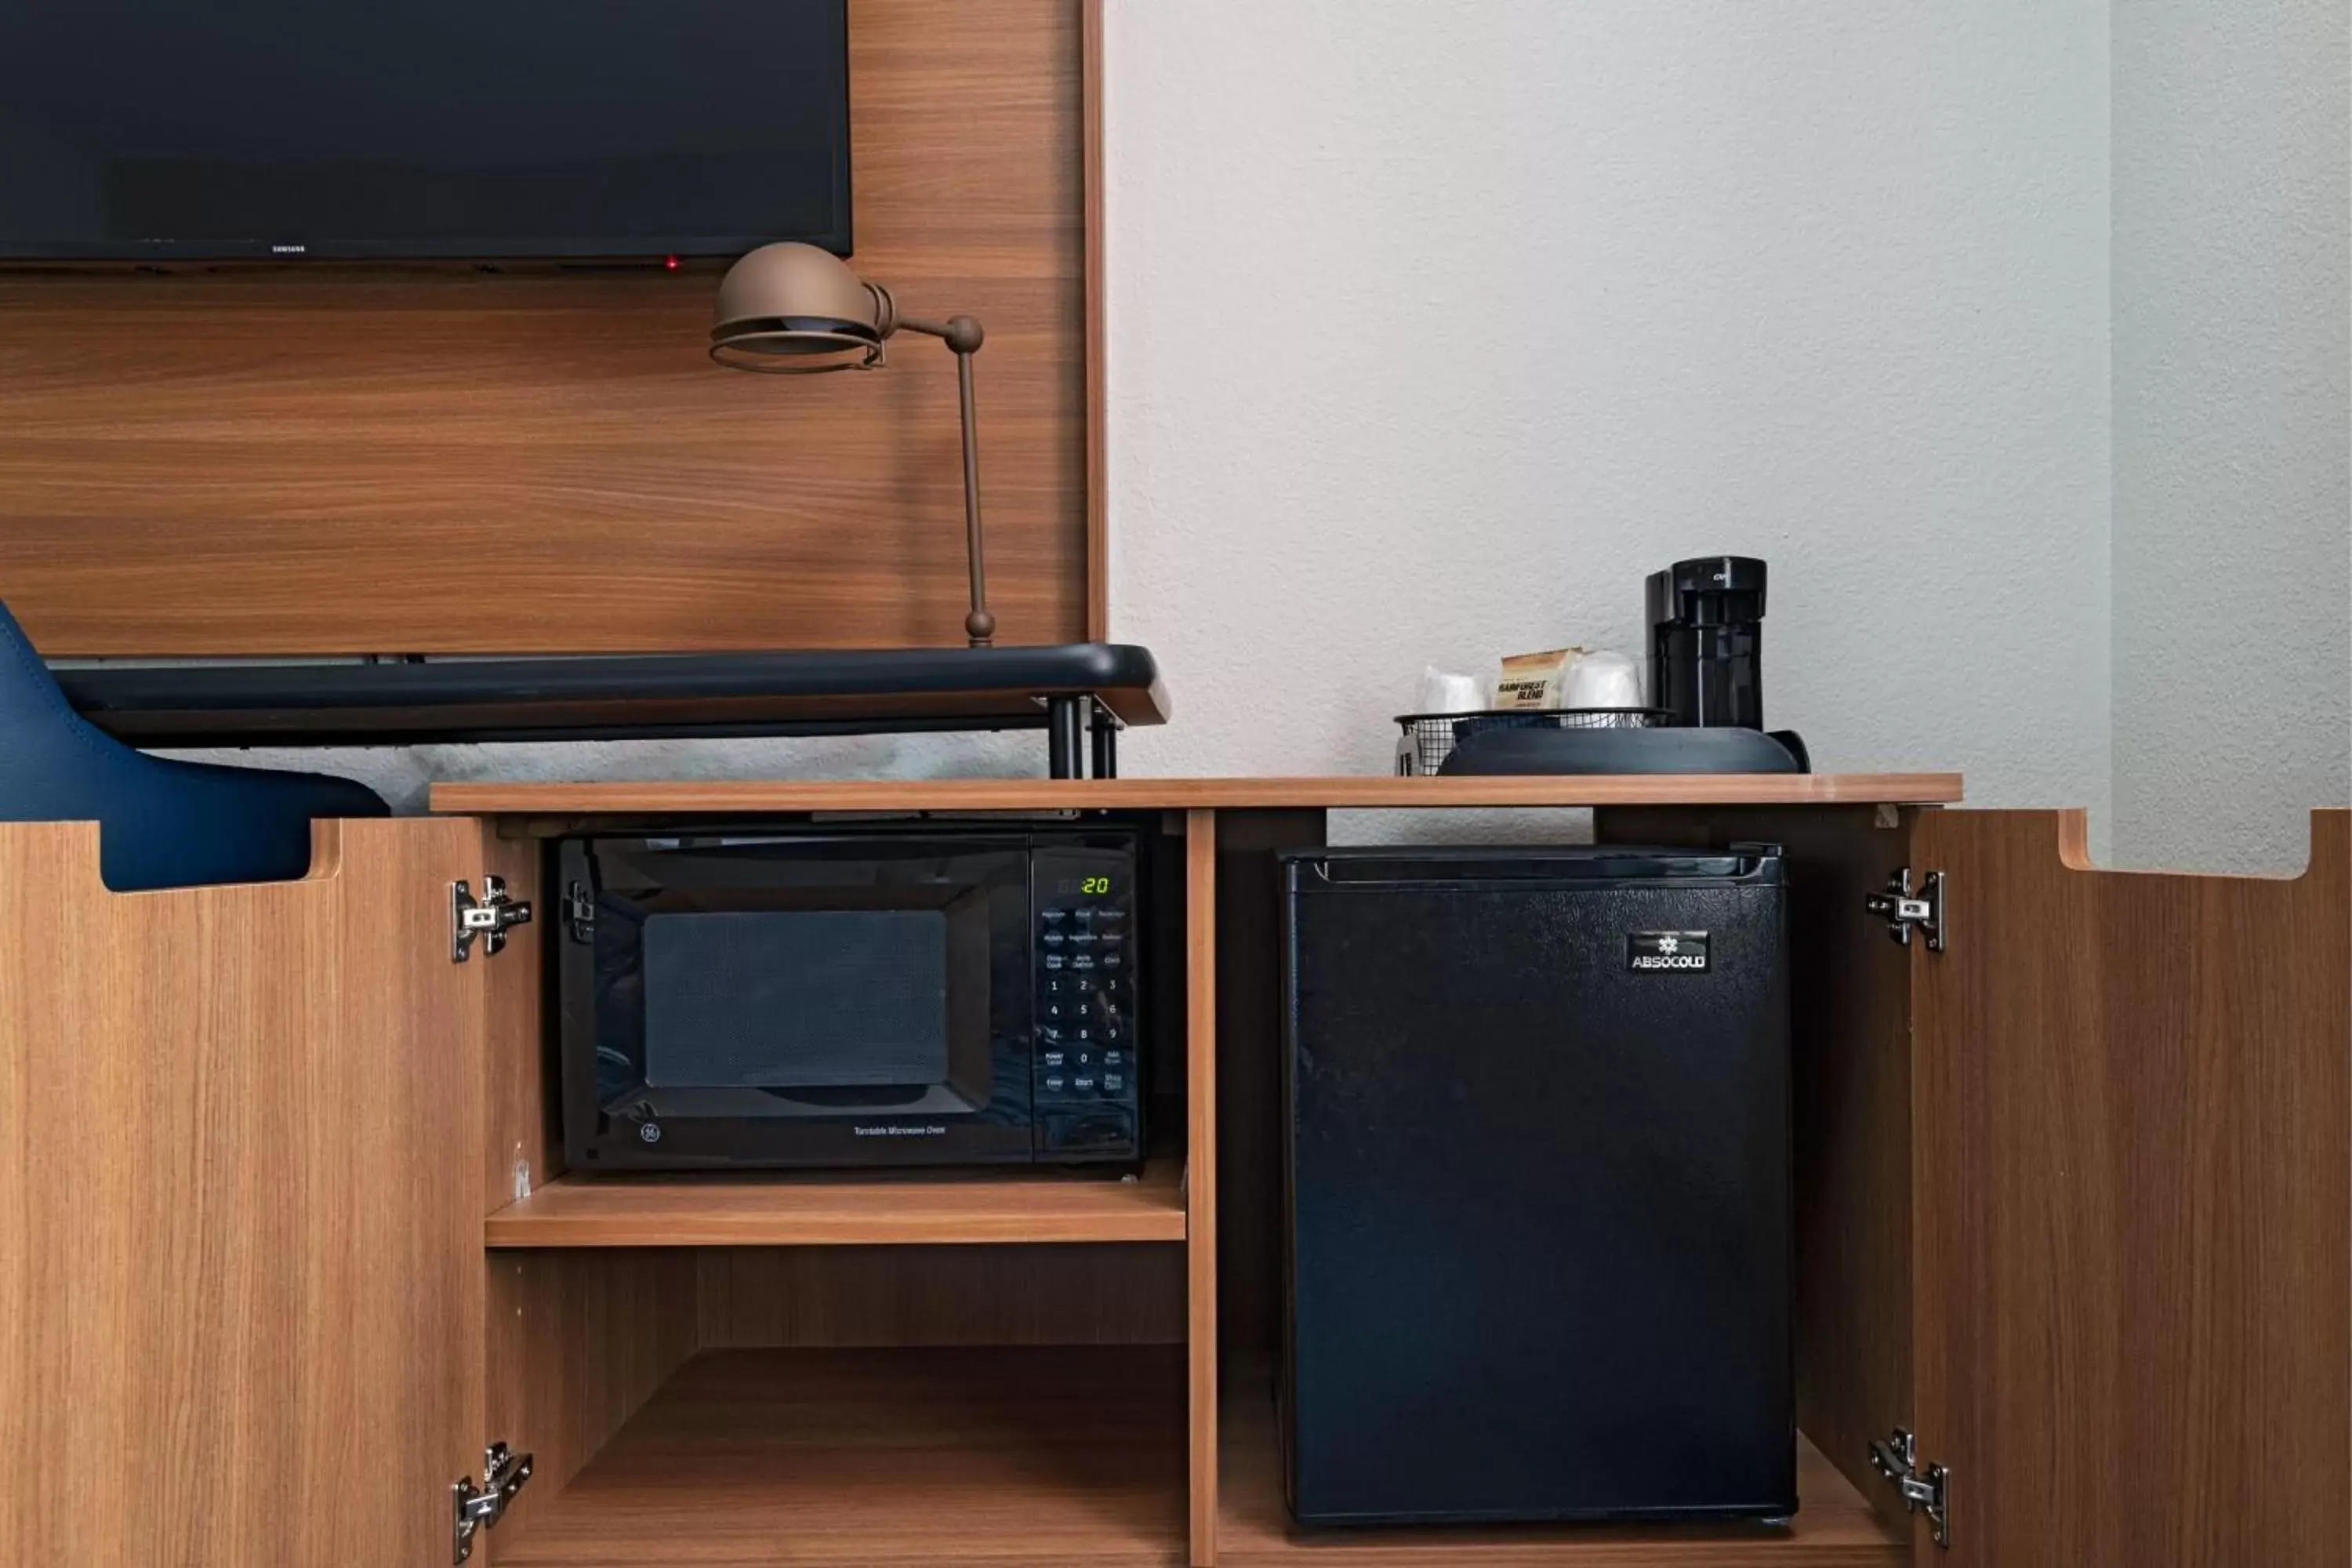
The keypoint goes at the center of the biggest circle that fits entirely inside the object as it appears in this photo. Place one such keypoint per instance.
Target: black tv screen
(237, 130)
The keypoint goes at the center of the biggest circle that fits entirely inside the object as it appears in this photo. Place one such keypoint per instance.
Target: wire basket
(1430, 738)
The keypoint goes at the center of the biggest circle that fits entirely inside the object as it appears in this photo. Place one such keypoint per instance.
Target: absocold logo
(1659, 950)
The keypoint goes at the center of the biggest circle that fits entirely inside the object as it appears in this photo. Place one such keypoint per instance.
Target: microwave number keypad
(1085, 1001)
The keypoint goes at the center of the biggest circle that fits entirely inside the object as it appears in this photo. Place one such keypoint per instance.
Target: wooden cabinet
(286, 1242)
(2130, 1195)
(2073, 1194)
(241, 1287)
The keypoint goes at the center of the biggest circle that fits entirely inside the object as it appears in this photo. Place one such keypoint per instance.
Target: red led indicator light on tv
(669, 263)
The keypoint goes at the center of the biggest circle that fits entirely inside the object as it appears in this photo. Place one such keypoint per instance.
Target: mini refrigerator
(1538, 1182)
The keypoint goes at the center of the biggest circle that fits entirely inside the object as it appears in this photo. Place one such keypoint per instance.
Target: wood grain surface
(241, 1291)
(365, 459)
(578, 1342)
(1090, 44)
(1200, 1174)
(1070, 1456)
(2134, 1204)
(1850, 1003)
(1108, 1294)
(797, 1211)
(1834, 1527)
(1249, 1175)
(522, 1142)
(696, 795)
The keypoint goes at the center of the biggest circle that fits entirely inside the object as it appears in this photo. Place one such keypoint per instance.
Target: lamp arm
(963, 334)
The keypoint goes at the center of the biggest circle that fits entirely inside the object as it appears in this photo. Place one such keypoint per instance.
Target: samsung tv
(296, 130)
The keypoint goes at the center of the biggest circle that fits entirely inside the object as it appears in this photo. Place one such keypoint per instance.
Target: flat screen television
(164, 131)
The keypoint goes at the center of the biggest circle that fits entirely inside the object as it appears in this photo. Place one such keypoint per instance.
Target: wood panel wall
(278, 460)
(1058, 1294)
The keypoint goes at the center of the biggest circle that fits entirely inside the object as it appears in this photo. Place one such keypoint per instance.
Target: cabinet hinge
(1924, 1489)
(478, 1508)
(1902, 910)
(489, 917)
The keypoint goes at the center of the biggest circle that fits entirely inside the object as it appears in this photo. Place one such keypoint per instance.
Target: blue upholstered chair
(161, 824)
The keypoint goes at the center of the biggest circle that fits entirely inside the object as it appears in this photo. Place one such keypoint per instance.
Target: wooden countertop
(739, 796)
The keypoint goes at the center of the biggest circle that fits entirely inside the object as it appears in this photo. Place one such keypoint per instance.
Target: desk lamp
(792, 309)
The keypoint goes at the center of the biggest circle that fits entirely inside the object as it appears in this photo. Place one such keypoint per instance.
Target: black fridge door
(1538, 1186)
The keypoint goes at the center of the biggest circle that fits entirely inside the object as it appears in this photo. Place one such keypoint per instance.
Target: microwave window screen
(796, 999)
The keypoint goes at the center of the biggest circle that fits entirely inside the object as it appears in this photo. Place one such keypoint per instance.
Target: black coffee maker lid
(1700, 591)
(1720, 574)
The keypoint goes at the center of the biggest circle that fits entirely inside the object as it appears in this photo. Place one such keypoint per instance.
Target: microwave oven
(897, 996)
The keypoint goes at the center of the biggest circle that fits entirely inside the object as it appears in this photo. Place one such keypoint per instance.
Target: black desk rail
(1066, 689)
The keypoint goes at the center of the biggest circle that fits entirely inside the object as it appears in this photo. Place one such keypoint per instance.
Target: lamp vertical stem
(979, 626)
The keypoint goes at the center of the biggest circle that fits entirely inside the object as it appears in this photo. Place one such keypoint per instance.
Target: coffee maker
(1706, 687)
(1706, 628)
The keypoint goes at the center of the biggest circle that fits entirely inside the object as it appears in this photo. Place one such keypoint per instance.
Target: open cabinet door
(2133, 1204)
(240, 1208)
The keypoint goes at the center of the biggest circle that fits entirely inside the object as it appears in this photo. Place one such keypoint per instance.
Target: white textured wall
(1433, 328)
(2232, 667)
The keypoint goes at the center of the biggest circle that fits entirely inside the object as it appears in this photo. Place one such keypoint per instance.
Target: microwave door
(738, 1005)
(818, 1013)
(883, 996)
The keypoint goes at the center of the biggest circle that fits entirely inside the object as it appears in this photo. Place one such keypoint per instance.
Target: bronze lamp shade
(792, 309)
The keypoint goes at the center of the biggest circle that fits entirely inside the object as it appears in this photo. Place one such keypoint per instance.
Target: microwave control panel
(1087, 1082)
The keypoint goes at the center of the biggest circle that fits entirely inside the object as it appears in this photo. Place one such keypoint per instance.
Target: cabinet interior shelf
(1834, 1528)
(1042, 1457)
(1045, 1457)
(748, 1210)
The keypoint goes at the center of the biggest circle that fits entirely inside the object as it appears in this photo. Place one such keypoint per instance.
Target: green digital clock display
(1087, 887)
